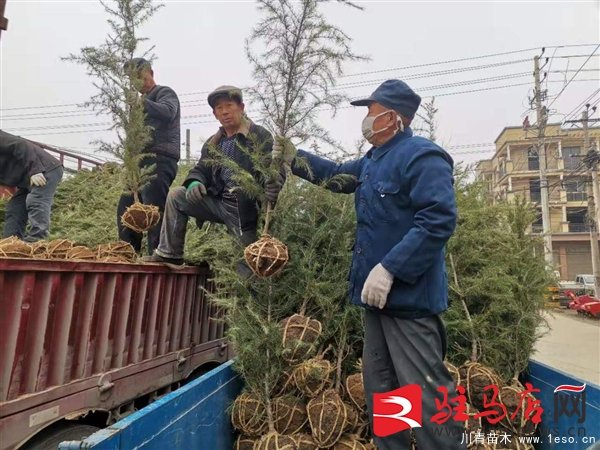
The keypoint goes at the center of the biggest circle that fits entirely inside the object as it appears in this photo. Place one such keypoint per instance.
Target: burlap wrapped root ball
(305, 441)
(245, 442)
(249, 415)
(13, 247)
(289, 414)
(328, 418)
(140, 218)
(58, 249)
(356, 390)
(80, 252)
(349, 442)
(475, 377)
(276, 441)
(313, 376)
(511, 397)
(300, 334)
(267, 256)
(116, 252)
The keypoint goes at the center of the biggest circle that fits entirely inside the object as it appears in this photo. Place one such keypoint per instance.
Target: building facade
(513, 172)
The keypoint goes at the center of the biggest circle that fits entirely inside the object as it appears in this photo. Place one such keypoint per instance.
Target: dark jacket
(163, 113)
(406, 212)
(20, 159)
(252, 137)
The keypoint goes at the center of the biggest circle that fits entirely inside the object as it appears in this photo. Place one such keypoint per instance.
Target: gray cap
(138, 64)
(231, 92)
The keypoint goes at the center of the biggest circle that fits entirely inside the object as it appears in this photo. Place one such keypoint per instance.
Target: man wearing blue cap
(406, 213)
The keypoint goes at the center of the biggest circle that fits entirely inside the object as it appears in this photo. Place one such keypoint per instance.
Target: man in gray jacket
(161, 106)
(36, 175)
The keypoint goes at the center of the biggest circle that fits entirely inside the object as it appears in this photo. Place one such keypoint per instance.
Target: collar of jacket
(244, 131)
(377, 152)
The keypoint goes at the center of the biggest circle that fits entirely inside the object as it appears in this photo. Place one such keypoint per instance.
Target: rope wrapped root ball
(59, 248)
(122, 251)
(454, 372)
(140, 218)
(81, 252)
(289, 415)
(349, 442)
(512, 398)
(276, 441)
(300, 333)
(13, 247)
(328, 418)
(313, 376)
(475, 378)
(249, 415)
(356, 390)
(40, 249)
(244, 442)
(267, 256)
(305, 442)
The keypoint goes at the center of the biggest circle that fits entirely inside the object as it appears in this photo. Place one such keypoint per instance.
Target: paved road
(572, 344)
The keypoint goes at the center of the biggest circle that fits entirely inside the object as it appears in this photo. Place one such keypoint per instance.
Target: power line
(574, 75)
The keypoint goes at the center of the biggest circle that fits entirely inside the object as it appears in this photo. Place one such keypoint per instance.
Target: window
(533, 159)
(571, 157)
(535, 193)
(576, 190)
(537, 226)
(577, 220)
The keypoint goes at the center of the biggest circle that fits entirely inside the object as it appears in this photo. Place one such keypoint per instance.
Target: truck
(85, 344)
(583, 285)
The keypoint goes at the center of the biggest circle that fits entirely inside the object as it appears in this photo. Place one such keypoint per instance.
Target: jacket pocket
(387, 201)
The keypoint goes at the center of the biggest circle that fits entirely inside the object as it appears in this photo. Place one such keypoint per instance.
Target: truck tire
(67, 432)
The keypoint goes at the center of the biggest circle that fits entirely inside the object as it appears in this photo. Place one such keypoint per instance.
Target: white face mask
(367, 125)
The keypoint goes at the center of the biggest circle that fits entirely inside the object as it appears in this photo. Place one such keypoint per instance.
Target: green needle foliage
(118, 84)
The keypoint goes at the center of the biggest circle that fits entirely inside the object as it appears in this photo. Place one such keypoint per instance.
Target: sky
(200, 45)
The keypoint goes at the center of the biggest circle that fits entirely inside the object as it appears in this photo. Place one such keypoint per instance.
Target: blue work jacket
(406, 212)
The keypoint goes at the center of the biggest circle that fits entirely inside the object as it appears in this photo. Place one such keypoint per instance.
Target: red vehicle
(579, 303)
(592, 309)
(84, 344)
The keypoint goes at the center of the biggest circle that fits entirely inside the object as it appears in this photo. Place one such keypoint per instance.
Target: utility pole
(541, 151)
(593, 195)
(188, 155)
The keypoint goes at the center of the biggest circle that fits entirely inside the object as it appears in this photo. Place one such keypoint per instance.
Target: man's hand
(377, 287)
(38, 180)
(273, 188)
(284, 151)
(195, 192)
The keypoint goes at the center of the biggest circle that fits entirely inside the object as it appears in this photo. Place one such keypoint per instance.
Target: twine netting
(140, 218)
(267, 256)
(13, 247)
(299, 336)
(123, 251)
(356, 390)
(313, 376)
(58, 249)
(249, 415)
(353, 419)
(40, 249)
(305, 442)
(475, 377)
(472, 424)
(244, 443)
(276, 441)
(289, 415)
(454, 372)
(349, 442)
(513, 400)
(286, 384)
(328, 418)
(82, 253)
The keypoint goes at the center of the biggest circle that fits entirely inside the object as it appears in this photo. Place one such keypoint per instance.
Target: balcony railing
(579, 228)
(577, 196)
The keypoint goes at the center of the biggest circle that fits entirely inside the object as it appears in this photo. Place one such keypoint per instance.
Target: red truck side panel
(82, 336)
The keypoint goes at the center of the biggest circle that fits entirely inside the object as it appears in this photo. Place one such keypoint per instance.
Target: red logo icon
(397, 410)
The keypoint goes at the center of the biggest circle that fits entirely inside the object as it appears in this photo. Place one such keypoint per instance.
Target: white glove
(284, 150)
(377, 287)
(38, 180)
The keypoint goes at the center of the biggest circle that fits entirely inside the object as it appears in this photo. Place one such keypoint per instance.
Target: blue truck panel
(570, 421)
(196, 417)
(192, 417)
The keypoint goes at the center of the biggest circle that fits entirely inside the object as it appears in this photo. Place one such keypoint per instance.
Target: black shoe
(162, 260)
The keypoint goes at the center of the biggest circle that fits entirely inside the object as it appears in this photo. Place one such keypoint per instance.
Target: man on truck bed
(406, 212)
(36, 174)
(161, 106)
(209, 193)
